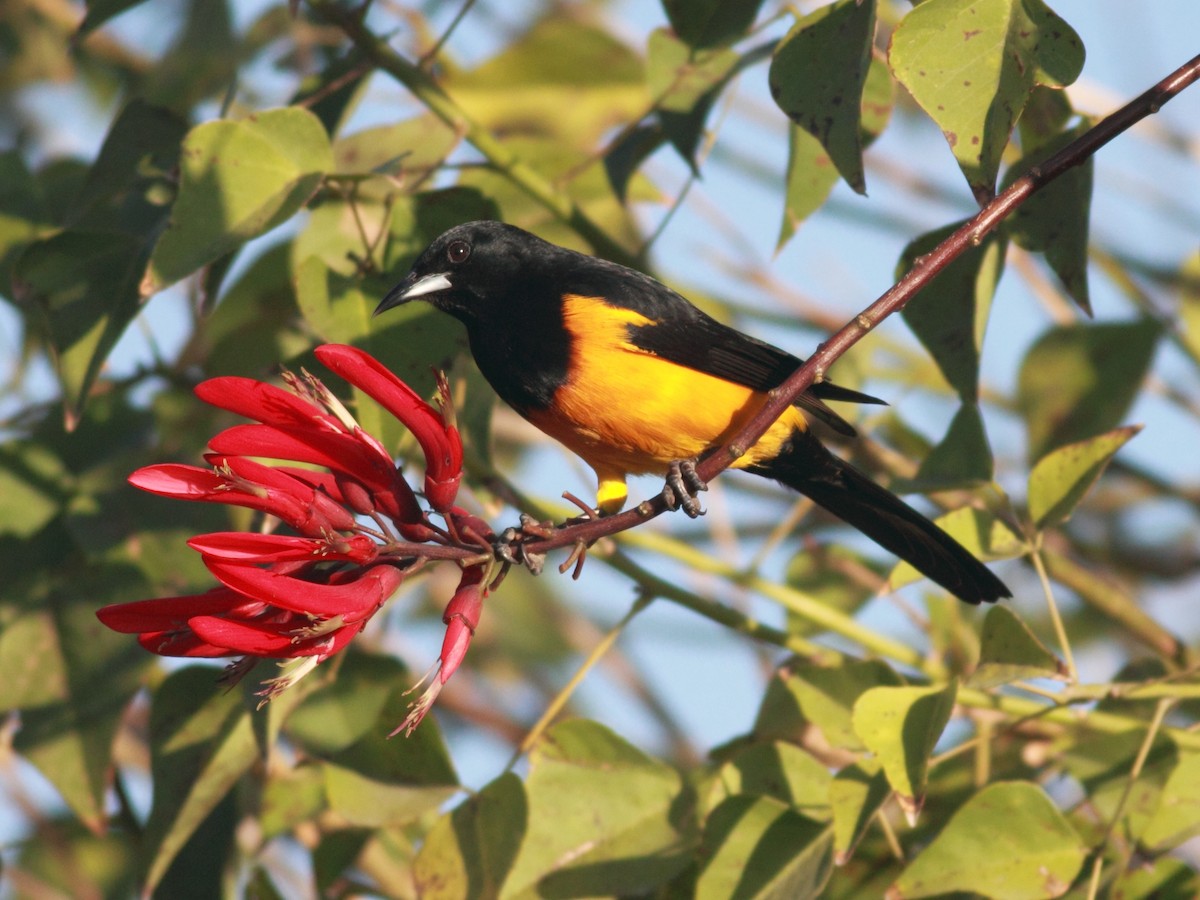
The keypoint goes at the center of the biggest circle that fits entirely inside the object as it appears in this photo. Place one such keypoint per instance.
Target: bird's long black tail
(806, 466)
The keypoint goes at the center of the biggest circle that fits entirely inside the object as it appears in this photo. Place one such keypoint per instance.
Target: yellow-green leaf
(949, 317)
(901, 726)
(757, 848)
(600, 817)
(776, 769)
(1078, 381)
(1061, 478)
(972, 65)
(1006, 841)
(855, 795)
(1010, 651)
(238, 179)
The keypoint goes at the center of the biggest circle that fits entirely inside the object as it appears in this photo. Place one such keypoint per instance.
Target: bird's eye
(458, 251)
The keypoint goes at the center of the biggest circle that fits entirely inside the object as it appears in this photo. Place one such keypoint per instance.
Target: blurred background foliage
(200, 188)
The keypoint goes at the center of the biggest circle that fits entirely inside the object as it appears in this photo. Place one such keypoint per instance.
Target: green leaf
(600, 817)
(350, 706)
(1007, 841)
(1189, 305)
(1054, 221)
(678, 77)
(289, 798)
(71, 678)
(901, 726)
(1177, 818)
(949, 317)
(1062, 477)
(33, 482)
(332, 93)
(83, 281)
(962, 459)
(1009, 651)
(61, 856)
(23, 213)
(1078, 381)
(372, 803)
(626, 155)
(409, 151)
(199, 868)
(856, 794)
(238, 179)
(757, 847)
(811, 173)
(980, 532)
(333, 305)
(1044, 117)
(1103, 767)
(201, 743)
(821, 696)
(972, 66)
(470, 850)
(817, 77)
(202, 61)
(779, 770)
(706, 23)
(251, 329)
(1161, 878)
(685, 83)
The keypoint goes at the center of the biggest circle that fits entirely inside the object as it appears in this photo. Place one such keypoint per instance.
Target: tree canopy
(201, 206)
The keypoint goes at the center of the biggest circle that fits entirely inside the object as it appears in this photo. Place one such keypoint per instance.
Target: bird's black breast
(522, 347)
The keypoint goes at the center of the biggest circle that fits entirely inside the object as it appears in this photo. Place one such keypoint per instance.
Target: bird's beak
(411, 288)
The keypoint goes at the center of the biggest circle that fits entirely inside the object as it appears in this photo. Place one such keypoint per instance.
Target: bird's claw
(683, 484)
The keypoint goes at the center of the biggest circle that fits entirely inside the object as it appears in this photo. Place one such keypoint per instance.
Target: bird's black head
(470, 268)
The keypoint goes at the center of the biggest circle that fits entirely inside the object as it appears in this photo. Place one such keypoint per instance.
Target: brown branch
(895, 299)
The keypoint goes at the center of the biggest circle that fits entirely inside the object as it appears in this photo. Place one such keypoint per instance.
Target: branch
(894, 300)
(499, 156)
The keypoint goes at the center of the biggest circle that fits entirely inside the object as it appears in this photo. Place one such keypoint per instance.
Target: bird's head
(469, 268)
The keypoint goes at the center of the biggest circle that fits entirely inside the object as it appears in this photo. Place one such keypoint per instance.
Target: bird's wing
(684, 334)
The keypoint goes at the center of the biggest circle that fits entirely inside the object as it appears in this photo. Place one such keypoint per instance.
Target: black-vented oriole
(632, 377)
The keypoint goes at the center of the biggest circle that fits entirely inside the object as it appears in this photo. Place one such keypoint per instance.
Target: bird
(633, 378)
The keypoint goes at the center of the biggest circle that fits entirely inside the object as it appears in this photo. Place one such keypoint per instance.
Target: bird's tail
(804, 465)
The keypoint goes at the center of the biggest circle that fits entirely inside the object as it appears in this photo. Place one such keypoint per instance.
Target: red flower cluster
(302, 597)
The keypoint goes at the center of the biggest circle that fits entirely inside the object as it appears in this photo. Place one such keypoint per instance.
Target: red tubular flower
(302, 597)
(461, 618)
(434, 430)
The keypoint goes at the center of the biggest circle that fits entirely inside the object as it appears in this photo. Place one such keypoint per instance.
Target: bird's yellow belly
(625, 410)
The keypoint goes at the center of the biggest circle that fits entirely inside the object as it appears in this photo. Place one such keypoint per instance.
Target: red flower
(304, 596)
(461, 619)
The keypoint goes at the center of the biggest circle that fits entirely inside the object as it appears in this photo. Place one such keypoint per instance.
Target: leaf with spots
(811, 173)
(972, 66)
(818, 75)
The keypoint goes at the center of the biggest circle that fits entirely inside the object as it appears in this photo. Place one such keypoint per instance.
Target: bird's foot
(683, 484)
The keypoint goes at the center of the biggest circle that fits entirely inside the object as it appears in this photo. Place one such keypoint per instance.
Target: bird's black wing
(684, 334)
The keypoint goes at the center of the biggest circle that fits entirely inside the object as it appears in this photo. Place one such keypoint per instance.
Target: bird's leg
(683, 484)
